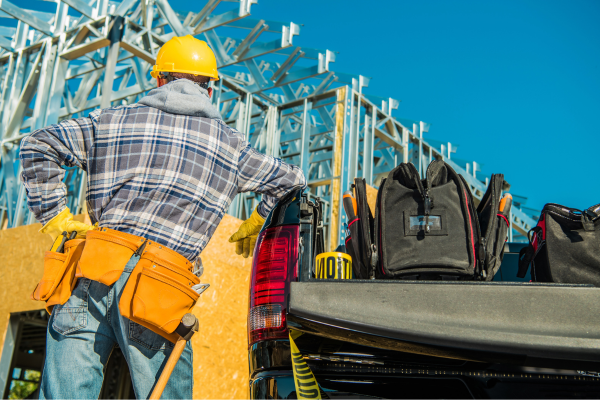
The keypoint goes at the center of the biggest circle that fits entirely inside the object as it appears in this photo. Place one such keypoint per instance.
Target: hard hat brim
(156, 72)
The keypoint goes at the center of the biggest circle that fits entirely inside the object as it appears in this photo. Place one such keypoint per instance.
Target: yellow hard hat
(187, 55)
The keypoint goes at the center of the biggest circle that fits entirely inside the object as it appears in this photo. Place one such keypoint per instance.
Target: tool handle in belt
(186, 329)
(60, 241)
(168, 369)
(61, 248)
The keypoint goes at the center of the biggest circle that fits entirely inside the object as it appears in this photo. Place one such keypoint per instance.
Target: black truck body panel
(520, 323)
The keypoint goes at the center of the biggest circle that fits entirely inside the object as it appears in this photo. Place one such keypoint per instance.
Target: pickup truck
(412, 339)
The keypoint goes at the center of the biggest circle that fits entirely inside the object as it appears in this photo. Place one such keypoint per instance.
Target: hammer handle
(168, 369)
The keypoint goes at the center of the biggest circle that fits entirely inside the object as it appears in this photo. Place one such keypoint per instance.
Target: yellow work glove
(245, 237)
(64, 222)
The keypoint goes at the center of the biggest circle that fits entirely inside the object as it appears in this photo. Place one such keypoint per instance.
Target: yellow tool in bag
(333, 265)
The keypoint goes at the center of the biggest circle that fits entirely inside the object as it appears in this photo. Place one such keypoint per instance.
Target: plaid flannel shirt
(166, 177)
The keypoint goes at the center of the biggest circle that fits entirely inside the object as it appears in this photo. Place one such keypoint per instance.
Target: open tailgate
(523, 323)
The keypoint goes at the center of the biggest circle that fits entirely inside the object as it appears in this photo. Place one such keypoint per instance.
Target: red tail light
(273, 268)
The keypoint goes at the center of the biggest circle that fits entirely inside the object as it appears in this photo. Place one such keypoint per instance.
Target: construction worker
(165, 169)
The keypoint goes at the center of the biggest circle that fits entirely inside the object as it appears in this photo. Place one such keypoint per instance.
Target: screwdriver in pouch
(349, 205)
(59, 242)
(61, 248)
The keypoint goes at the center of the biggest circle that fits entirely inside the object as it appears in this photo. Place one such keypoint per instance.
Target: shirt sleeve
(268, 176)
(44, 153)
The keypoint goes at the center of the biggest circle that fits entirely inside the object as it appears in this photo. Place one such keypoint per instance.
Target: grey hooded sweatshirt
(182, 97)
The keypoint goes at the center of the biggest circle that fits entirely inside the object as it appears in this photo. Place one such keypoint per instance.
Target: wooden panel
(336, 204)
(22, 263)
(220, 347)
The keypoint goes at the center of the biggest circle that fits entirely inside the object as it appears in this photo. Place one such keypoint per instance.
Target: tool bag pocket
(494, 227)
(59, 279)
(364, 259)
(158, 294)
(106, 254)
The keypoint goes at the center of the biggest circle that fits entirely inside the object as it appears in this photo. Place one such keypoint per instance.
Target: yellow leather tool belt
(157, 294)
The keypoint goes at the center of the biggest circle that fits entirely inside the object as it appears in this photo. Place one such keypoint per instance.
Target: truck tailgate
(494, 322)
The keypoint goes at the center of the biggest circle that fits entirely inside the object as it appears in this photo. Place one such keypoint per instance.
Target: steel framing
(284, 97)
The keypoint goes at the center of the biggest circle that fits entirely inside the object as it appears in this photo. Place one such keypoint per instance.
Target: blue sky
(516, 84)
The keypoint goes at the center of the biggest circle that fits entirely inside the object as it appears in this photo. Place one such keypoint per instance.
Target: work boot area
(299, 200)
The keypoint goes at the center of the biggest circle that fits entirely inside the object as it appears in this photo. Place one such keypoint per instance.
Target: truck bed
(530, 324)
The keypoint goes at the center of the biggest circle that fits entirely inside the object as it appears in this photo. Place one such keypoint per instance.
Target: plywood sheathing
(22, 263)
(220, 346)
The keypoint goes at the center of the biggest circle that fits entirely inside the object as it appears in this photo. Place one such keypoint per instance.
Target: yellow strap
(304, 380)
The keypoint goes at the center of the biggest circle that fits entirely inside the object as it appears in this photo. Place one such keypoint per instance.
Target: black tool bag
(364, 256)
(430, 229)
(564, 246)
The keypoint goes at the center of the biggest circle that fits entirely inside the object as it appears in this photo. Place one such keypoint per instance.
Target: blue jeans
(82, 334)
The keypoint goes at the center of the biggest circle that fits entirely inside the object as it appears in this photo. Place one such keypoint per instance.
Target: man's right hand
(245, 237)
(63, 222)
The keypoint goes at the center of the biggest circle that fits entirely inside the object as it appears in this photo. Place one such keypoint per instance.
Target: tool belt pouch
(158, 294)
(105, 255)
(59, 279)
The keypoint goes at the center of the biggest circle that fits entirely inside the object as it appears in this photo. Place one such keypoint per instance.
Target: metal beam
(6, 44)
(80, 6)
(26, 17)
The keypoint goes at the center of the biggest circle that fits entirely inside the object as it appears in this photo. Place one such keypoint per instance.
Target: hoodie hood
(181, 97)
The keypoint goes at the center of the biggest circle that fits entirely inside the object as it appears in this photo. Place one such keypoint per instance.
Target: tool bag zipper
(474, 235)
(477, 245)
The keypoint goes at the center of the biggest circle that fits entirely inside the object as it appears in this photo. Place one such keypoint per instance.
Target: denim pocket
(147, 338)
(72, 315)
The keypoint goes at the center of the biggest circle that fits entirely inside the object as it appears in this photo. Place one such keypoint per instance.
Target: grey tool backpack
(430, 229)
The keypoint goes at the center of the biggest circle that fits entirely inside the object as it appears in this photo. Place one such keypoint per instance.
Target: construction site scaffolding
(283, 97)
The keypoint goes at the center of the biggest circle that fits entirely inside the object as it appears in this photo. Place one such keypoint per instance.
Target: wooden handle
(169, 366)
